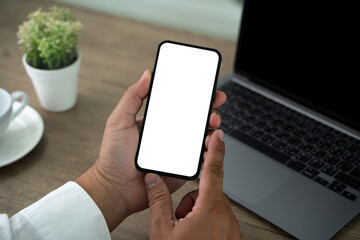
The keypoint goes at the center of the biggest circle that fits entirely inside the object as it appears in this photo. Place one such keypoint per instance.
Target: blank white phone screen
(178, 108)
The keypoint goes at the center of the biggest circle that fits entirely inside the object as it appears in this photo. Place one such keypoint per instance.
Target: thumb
(211, 179)
(161, 211)
(132, 100)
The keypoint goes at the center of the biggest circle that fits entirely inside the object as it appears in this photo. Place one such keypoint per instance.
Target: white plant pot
(56, 89)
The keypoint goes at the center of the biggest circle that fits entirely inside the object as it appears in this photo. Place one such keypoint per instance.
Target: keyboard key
(337, 186)
(345, 166)
(300, 122)
(245, 106)
(246, 127)
(306, 147)
(251, 120)
(261, 124)
(304, 157)
(290, 118)
(283, 135)
(291, 151)
(318, 153)
(350, 157)
(339, 141)
(257, 112)
(352, 182)
(356, 172)
(287, 127)
(294, 141)
(298, 133)
(337, 151)
(316, 163)
(308, 125)
(352, 147)
(241, 114)
(267, 150)
(321, 181)
(256, 133)
(279, 145)
(327, 134)
(268, 117)
(329, 170)
(224, 126)
(267, 139)
(324, 145)
(349, 195)
(311, 139)
(271, 130)
(331, 159)
(315, 130)
(296, 165)
(277, 122)
(310, 172)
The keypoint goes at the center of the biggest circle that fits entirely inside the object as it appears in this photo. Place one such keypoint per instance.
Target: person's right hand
(204, 213)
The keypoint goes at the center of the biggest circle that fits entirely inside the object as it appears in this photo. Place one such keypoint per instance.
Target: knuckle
(127, 92)
(221, 148)
(157, 197)
(216, 169)
(215, 111)
(110, 122)
(136, 102)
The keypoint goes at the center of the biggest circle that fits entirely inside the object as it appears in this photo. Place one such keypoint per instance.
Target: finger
(132, 100)
(220, 99)
(161, 211)
(215, 119)
(186, 204)
(139, 121)
(207, 139)
(211, 179)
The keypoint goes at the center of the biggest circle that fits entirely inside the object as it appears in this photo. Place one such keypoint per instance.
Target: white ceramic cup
(6, 110)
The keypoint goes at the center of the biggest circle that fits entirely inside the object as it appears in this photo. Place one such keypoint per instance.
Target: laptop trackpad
(250, 176)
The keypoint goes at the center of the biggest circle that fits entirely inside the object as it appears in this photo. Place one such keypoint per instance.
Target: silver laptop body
(289, 198)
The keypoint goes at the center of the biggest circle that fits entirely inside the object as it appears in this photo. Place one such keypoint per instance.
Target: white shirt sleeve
(66, 213)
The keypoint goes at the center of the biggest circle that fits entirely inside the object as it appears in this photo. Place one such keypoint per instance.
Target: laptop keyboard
(319, 152)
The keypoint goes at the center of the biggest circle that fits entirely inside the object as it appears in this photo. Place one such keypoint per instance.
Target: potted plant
(50, 56)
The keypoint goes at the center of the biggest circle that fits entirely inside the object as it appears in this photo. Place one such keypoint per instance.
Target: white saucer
(22, 135)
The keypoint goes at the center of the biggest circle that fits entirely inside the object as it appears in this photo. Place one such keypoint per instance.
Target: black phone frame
(208, 117)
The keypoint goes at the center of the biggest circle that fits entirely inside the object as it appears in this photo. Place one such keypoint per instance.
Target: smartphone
(177, 113)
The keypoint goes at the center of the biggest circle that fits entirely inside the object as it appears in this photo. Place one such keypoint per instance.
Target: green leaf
(49, 39)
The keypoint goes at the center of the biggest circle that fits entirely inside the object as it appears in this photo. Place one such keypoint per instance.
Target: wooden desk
(115, 53)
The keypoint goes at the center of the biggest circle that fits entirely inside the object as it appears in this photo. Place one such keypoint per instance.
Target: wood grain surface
(115, 53)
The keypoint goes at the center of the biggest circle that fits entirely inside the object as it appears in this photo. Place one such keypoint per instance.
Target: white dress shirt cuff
(66, 213)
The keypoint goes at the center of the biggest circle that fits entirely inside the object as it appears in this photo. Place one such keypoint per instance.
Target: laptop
(292, 119)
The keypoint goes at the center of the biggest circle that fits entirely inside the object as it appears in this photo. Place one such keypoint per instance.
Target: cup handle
(16, 95)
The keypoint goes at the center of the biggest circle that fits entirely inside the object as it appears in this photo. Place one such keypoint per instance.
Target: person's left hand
(114, 171)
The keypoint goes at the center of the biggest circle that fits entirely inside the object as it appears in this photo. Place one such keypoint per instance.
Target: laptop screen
(307, 51)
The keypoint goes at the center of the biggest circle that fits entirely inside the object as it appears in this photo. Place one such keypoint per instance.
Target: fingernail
(220, 135)
(150, 180)
(143, 75)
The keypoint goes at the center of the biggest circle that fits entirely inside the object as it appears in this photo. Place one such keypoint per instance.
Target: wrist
(104, 194)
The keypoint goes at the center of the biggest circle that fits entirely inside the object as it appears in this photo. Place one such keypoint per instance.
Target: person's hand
(203, 214)
(113, 181)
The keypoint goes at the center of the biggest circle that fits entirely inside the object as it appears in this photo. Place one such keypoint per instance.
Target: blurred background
(217, 18)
